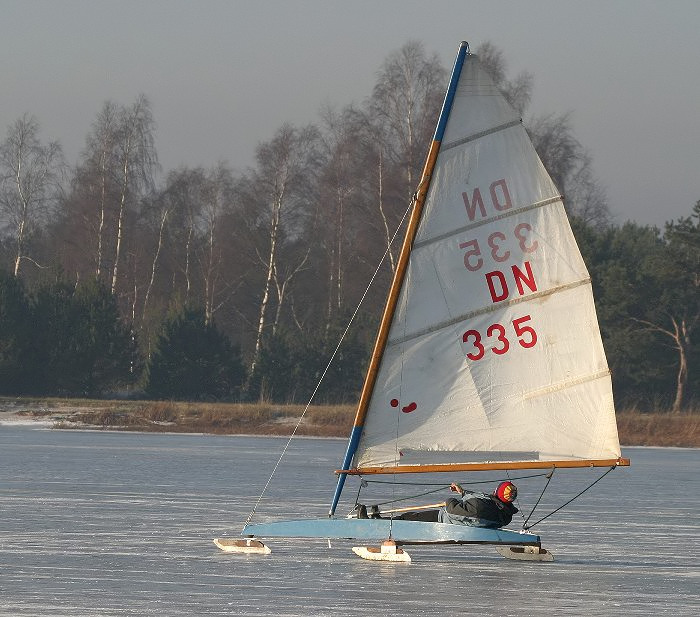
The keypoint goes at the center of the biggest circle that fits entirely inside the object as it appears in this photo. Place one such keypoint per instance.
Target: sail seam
(461, 230)
(487, 309)
(495, 129)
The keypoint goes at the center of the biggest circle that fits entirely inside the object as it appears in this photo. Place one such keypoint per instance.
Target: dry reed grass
(659, 429)
(216, 418)
(634, 427)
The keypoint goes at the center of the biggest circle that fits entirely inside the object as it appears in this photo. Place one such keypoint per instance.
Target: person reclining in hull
(472, 508)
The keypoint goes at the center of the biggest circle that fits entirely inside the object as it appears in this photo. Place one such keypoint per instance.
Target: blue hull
(380, 529)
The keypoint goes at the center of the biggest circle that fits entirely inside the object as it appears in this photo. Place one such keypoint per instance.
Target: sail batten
(470, 227)
(486, 310)
(569, 383)
(486, 133)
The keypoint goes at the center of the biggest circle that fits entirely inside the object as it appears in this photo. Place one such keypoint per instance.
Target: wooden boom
(449, 467)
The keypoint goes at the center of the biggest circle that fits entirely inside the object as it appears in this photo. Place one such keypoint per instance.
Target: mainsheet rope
(330, 361)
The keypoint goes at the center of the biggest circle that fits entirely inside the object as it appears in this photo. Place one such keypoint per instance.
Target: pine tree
(194, 360)
(15, 350)
(83, 347)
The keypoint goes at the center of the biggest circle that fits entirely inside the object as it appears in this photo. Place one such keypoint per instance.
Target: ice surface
(114, 524)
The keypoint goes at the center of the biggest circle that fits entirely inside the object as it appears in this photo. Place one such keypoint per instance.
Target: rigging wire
(537, 503)
(526, 527)
(330, 361)
(362, 485)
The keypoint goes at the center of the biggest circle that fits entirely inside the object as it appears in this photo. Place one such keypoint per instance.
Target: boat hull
(403, 532)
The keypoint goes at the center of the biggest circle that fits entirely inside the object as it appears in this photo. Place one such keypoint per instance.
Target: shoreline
(263, 419)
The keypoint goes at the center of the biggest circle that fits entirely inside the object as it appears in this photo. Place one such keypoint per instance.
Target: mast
(400, 273)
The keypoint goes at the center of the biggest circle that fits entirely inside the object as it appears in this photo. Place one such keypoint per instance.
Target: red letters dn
(498, 283)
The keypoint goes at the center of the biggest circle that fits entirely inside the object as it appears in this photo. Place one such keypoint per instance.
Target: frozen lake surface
(120, 524)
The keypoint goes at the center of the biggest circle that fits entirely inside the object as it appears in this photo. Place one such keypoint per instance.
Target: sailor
(479, 509)
(472, 508)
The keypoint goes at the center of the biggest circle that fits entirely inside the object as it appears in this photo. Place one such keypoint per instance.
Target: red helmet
(506, 492)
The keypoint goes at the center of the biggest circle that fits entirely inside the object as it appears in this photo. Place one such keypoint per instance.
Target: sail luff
(399, 275)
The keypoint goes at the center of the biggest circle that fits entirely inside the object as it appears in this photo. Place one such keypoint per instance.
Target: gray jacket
(478, 510)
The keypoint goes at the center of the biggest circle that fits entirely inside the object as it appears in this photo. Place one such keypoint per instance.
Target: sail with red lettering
(491, 355)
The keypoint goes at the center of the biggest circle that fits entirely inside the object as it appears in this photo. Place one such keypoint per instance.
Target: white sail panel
(494, 351)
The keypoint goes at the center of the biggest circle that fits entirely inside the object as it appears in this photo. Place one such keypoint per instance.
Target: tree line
(222, 284)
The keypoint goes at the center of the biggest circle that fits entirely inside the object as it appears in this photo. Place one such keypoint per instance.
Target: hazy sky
(222, 76)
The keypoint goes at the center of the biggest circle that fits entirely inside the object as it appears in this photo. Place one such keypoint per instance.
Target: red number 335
(527, 338)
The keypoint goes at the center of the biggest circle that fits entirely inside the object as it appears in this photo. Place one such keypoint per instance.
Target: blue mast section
(439, 132)
(451, 89)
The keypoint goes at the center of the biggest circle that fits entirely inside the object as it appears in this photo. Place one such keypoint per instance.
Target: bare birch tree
(186, 224)
(569, 165)
(377, 180)
(184, 196)
(30, 176)
(278, 195)
(406, 100)
(137, 160)
(97, 172)
(162, 210)
(338, 184)
(217, 202)
(399, 120)
(115, 173)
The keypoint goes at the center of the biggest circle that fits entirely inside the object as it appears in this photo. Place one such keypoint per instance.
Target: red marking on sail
(394, 402)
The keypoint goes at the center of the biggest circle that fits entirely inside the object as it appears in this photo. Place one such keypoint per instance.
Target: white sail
(494, 352)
